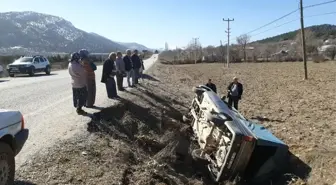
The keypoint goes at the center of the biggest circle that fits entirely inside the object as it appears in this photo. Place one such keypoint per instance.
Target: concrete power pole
(228, 43)
(195, 48)
(304, 55)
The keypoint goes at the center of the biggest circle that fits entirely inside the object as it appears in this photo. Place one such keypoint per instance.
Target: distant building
(166, 46)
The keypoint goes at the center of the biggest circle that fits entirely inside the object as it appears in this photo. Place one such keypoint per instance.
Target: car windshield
(23, 59)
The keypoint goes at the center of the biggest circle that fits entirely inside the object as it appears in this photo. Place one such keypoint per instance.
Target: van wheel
(11, 75)
(7, 164)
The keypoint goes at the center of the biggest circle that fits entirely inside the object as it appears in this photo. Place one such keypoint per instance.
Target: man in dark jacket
(109, 71)
(129, 67)
(235, 91)
(136, 66)
(211, 86)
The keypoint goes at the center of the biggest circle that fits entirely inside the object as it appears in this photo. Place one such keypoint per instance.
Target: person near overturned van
(78, 83)
(121, 73)
(129, 67)
(136, 66)
(89, 67)
(211, 85)
(109, 71)
(235, 91)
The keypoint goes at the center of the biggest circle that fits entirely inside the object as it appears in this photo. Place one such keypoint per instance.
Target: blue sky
(153, 22)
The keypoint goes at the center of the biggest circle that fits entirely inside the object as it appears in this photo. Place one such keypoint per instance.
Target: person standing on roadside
(109, 71)
(129, 67)
(120, 67)
(211, 85)
(89, 67)
(142, 68)
(136, 66)
(78, 83)
(235, 91)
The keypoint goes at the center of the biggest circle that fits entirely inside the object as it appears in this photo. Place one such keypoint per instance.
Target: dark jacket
(240, 89)
(136, 61)
(128, 63)
(212, 86)
(109, 69)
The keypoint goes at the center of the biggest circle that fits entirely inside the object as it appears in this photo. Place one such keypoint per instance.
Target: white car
(29, 65)
(13, 136)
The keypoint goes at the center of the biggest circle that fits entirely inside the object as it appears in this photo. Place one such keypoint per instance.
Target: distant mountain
(323, 32)
(134, 45)
(36, 33)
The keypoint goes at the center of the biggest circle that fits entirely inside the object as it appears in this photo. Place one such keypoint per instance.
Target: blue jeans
(111, 88)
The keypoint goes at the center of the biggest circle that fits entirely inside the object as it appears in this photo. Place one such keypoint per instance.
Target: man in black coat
(235, 91)
(211, 86)
(136, 66)
(109, 72)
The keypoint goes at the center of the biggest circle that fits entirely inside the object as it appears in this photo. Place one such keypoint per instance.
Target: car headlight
(27, 65)
(7, 67)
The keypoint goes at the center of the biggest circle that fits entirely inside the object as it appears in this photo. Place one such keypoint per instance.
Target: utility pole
(304, 55)
(228, 43)
(195, 48)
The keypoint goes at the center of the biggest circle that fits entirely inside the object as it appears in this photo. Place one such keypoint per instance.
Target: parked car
(13, 136)
(232, 146)
(29, 65)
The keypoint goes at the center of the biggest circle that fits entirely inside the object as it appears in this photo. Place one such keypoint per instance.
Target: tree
(195, 49)
(242, 41)
(311, 42)
(331, 52)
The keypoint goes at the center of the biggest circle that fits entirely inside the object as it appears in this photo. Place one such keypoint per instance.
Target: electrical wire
(305, 17)
(288, 14)
(319, 4)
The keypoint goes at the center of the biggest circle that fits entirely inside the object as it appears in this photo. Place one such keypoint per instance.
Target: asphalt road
(46, 103)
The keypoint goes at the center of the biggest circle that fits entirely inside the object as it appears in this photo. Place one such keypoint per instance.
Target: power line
(319, 4)
(305, 17)
(288, 14)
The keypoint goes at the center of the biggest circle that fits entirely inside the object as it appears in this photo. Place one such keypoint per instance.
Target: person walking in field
(136, 66)
(109, 71)
(120, 67)
(90, 67)
(78, 83)
(235, 91)
(129, 68)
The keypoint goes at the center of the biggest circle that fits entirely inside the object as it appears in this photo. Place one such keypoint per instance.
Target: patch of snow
(16, 47)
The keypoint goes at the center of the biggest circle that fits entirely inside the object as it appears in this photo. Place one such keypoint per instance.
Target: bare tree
(243, 40)
(311, 42)
(331, 52)
(195, 49)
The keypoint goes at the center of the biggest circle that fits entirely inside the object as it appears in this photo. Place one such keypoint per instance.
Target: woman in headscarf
(90, 67)
(78, 83)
